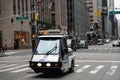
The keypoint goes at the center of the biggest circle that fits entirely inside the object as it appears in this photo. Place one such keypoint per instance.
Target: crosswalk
(13, 68)
(111, 48)
(90, 69)
(111, 70)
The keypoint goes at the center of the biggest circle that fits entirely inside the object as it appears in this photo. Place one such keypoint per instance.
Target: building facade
(15, 31)
(108, 20)
(61, 14)
(78, 18)
(18, 18)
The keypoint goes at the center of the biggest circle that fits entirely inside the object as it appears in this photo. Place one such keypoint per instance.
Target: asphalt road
(98, 62)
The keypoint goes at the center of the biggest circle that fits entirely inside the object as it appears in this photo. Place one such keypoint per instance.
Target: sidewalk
(18, 50)
(8, 52)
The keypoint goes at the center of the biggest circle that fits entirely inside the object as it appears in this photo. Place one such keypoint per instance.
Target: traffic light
(36, 16)
(33, 36)
(95, 13)
(98, 13)
(33, 32)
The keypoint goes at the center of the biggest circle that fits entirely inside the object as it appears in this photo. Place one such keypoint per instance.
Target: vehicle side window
(65, 43)
(64, 46)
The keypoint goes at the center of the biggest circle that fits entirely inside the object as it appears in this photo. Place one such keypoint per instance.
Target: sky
(117, 5)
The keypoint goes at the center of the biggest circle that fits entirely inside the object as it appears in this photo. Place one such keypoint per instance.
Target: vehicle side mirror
(66, 50)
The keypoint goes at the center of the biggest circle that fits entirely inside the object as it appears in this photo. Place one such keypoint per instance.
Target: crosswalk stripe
(102, 48)
(13, 68)
(112, 70)
(10, 52)
(96, 69)
(16, 71)
(83, 68)
(2, 65)
(8, 66)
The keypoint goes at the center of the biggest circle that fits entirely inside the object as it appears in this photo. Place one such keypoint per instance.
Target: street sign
(20, 18)
(114, 12)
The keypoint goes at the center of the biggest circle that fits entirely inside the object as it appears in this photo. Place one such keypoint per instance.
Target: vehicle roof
(59, 36)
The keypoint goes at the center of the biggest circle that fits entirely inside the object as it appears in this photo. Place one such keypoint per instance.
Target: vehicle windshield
(82, 41)
(69, 41)
(46, 46)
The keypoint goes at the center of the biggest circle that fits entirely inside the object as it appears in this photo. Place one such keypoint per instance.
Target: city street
(98, 62)
(54, 30)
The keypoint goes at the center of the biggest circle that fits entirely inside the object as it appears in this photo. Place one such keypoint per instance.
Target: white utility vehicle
(51, 54)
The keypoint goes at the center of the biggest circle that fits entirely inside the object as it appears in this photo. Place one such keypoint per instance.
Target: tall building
(113, 27)
(109, 21)
(61, 14)
(92, 8)
(67, 15)
(17, 19)
(15, 30)
(78, 18)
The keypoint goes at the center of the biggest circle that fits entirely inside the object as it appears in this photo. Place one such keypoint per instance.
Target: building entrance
(21, 39)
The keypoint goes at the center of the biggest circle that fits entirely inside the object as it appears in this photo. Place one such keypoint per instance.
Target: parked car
(107, 40)
(71, 44)
(83, 44)
(116, 43)
(100, 42)
(69, 41)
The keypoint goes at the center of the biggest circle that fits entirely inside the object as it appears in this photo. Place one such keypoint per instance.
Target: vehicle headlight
(39, 64)
(48, 64)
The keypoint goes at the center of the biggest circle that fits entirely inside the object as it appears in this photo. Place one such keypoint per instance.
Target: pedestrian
(5, 47)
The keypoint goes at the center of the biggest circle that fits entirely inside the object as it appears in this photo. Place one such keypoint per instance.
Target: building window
(90, 3)
(14, 7)
(22, 7)
(18, 6)
(91, 20)
(91, 16)
(0, 6)
(26, 7)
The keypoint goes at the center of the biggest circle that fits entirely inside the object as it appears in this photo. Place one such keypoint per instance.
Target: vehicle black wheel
(86, 47)
(72, 67)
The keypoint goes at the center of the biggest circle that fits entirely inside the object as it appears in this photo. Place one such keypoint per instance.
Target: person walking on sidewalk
(2, 51)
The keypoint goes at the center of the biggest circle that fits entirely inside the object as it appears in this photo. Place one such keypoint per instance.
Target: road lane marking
(83, 68)
(8, 69)
(10, 52)
(96, 69)
(8, 66)
(106, 48)
(14, 61)
(20, 70)
(26, 76)
(106, 61)
(112, 70)
(76, 65)
(2, 65)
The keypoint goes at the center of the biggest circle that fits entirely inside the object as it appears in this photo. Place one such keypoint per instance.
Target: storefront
(21, 39)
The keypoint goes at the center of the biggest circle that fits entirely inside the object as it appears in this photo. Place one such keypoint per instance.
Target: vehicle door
(64, 53)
